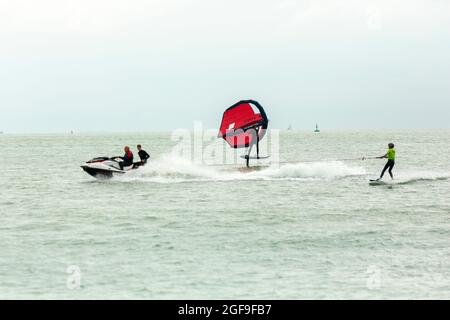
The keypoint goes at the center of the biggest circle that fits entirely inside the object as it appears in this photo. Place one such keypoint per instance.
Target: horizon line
(69, 132)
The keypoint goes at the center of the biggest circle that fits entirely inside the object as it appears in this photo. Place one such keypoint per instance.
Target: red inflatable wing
(243, 124)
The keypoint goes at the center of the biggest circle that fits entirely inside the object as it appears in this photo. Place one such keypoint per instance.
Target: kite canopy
(243, 124)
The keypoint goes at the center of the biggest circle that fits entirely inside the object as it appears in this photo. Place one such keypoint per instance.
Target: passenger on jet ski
(143, 155)
(127, 158)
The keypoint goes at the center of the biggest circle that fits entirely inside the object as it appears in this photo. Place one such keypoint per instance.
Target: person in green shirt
(390, 155)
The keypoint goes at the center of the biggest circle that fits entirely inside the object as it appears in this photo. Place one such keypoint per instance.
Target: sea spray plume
(170, 168)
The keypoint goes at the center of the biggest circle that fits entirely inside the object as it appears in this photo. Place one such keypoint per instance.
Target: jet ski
(105, 168)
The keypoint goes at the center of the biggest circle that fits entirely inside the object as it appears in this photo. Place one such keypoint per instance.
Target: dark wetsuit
(144, 157)
(127, 160)
(390, 164)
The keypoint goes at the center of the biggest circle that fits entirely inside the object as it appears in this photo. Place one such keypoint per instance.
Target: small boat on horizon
(317, 128)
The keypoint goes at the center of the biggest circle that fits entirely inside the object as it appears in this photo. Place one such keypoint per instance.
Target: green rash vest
(391, 154)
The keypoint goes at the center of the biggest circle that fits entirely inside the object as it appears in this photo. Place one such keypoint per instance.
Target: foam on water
(170, 169)
(317, 170)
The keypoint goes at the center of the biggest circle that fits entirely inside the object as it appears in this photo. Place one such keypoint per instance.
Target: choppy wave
(170, 169)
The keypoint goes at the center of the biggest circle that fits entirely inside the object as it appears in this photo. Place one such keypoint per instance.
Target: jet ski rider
(127, 158)
(143, 155)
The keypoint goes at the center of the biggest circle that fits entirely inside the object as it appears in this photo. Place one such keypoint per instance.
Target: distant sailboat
(290, 127)
(317, 128)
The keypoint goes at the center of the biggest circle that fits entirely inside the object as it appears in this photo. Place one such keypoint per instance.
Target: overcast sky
(109, 65)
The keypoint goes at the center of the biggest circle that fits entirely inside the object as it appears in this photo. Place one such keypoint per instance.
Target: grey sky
(96, 65)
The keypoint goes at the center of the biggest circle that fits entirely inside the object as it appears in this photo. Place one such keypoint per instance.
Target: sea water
(307, 227)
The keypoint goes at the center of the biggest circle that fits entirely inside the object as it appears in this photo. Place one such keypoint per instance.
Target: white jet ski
(105, 168)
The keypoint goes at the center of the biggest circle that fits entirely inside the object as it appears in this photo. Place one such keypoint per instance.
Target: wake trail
(171, 169)
(414, 177)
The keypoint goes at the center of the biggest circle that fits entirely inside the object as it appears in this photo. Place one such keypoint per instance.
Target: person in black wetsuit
(143, 155)
(127, 158)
